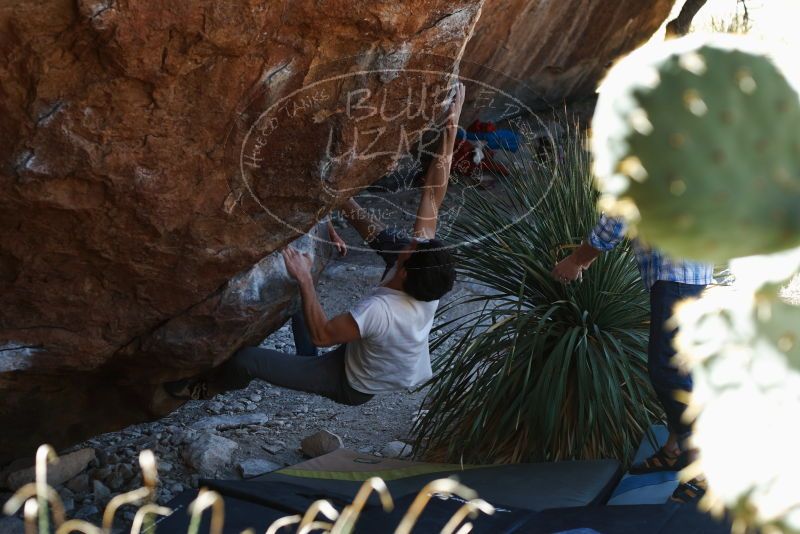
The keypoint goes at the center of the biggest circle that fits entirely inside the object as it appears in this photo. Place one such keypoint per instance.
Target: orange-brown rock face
(558, 49)
(152, 153)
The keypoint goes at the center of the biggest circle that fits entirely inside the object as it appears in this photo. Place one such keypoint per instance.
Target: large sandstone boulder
(558, 49)
(154, 154)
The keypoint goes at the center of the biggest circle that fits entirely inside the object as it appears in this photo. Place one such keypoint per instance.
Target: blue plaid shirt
(653, 264)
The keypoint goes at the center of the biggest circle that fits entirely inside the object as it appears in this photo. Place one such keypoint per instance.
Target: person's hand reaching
(571, 268)
(336, 239)
(568, 270)
(454, 112)
(298, 264)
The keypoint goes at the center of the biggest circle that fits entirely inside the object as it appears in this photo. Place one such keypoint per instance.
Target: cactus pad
(777, 322)
(698, 146)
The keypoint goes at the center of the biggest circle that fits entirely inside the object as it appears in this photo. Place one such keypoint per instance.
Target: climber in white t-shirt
(382, 342)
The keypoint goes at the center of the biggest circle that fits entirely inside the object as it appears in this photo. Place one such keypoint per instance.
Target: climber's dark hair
(430, 271)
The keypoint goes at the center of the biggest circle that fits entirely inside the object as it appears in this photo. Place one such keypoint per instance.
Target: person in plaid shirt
(668, 281)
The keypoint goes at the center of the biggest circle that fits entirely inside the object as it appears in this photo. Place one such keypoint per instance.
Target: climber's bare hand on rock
(454, 111)
(336, 239)
(298, 264)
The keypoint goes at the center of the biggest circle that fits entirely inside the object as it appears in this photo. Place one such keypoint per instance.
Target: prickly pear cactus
(741, 344)
(698, 145)
(778, 323)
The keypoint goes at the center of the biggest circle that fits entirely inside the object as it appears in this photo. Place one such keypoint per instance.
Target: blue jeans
(665, 377)
(303, 346)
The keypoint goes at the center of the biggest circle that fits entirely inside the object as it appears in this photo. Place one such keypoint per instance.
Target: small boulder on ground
(253, 467)
(209, 454)
(59, 472)
(322, 442)
(226, 422)
(125, 471)
(396, 449)
(101, 493)
(274, 448)
(67, 499)
(79, 484)
(88, 511)
(215, 407)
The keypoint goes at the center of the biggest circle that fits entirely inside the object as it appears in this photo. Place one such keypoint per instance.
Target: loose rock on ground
(210, 454)
(319, 443)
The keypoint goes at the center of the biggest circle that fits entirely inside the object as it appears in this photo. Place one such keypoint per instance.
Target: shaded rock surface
(559, 50)
(129, 236)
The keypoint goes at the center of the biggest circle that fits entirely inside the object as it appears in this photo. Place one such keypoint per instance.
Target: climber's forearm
(324, 332)
(434, 188)
(312, 311)
(585, 254)
(350, 208)
(364, 222)
(438, 174)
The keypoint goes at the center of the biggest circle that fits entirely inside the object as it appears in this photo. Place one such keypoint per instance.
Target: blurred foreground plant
(38, 500)
(698, 147)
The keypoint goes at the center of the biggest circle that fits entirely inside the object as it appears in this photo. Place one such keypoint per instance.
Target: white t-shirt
(392, 353)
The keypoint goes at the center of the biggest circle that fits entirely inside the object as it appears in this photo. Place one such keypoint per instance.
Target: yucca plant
(542, 371)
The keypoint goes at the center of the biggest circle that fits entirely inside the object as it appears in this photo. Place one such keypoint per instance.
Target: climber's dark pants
(305, 371)
(665, 377)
